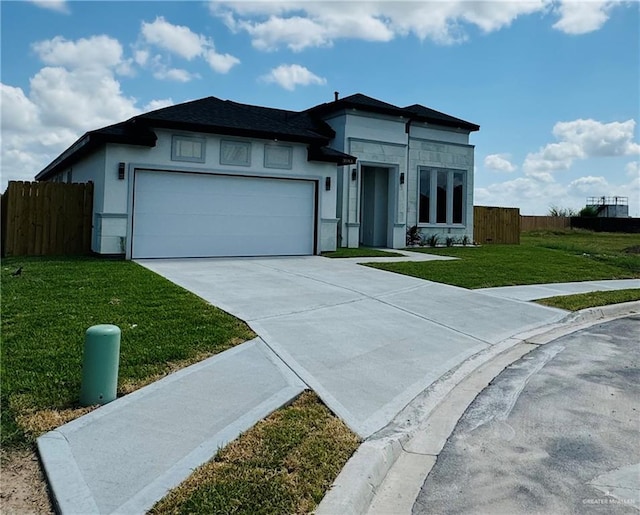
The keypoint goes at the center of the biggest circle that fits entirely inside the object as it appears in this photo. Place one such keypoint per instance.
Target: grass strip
(592, 299)
(283, 465)
(345, 252)
(46, 311)
(548, 257)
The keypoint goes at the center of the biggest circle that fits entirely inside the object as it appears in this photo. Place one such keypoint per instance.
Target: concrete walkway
(541, 291)
(367, 341)
(124, 456)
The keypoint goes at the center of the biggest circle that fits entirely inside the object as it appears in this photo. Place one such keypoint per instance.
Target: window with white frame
(188, 148)
(235, 153)
(441, 196)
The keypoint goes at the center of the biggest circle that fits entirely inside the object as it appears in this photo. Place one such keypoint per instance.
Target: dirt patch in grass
(284, 464)
(635, 249)
(22, 485)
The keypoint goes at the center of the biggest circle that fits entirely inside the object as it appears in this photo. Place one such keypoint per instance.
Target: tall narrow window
(441, 205)
(425, 196)
(458, 196)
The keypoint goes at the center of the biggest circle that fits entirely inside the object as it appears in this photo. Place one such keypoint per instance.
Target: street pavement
(556, 432)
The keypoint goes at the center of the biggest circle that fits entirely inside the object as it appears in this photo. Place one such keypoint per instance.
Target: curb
(438, 410)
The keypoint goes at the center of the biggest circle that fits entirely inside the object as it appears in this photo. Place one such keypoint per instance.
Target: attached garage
(178, 214)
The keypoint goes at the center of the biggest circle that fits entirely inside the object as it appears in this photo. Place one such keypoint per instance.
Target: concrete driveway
(367, 341)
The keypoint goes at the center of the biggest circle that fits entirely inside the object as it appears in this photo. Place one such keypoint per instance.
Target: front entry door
(374, 205)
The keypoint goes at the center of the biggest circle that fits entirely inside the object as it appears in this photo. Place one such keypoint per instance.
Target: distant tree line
(587, 211)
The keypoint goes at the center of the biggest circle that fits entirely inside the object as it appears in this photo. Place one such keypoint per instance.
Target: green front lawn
(592, 299)
(284, 464)
(542, 257)
(46, 311)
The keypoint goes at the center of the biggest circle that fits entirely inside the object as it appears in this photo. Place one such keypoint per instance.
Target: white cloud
(527, 193)
(55, 5)
(183, 42)
(589, 185)
(174, 74)
(76, 93)
(599, 139)
(300, 25)
(221, 63)
(581, 17)
(177, 39)
(633, 169)
(582, 139)
(18, 112)
(499, 162)
(158, 104)
(94, 52)
(141, 57)
(291, 75)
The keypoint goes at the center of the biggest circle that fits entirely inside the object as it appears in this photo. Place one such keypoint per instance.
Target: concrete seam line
(356, 485)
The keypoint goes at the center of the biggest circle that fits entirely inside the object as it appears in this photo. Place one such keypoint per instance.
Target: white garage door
(199, 215)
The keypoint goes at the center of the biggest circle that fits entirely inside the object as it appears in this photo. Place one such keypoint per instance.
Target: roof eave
(89, 142)
(339, 158)
(237, 131)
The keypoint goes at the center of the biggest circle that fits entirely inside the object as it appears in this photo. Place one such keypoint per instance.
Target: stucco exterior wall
(91, 169)
(116, 208)
(448, 156)
(378, 140)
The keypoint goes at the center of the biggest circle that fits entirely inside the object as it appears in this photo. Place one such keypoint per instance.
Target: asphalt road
(556, 432)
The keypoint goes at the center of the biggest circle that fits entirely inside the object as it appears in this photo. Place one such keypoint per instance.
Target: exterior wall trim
(379, 142)
(439, 142)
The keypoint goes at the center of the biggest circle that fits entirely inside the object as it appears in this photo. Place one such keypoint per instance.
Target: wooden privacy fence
(496, 225)
(544, 223)
(46, 218)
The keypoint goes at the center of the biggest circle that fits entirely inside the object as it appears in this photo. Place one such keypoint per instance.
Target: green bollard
(100, 365)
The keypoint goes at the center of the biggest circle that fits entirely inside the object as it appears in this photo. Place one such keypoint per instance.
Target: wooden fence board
(496, 225)
(544, 223)
(44, 218)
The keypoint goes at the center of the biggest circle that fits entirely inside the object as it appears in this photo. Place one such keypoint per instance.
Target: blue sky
(554, 85)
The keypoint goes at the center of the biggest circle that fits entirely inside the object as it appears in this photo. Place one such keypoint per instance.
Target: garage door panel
(198, 215)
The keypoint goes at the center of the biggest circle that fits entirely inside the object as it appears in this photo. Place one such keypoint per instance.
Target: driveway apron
(367, 341)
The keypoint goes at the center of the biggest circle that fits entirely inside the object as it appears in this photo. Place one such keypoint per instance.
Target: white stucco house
(214, 177)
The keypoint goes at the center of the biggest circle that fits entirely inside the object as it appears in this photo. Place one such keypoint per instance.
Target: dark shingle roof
(216, 116)
(416, 112)
(437, 117)
(213, 115)
(127, 132)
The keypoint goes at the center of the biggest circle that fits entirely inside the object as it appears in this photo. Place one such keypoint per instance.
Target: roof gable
(415, 112)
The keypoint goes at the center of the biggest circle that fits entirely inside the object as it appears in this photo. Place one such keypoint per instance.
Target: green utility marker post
(100, 365)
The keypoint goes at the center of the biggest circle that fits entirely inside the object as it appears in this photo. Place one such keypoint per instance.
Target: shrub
(413, 236)
(432, 240)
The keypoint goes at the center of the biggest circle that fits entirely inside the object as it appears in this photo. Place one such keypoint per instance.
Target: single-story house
(214, 177)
